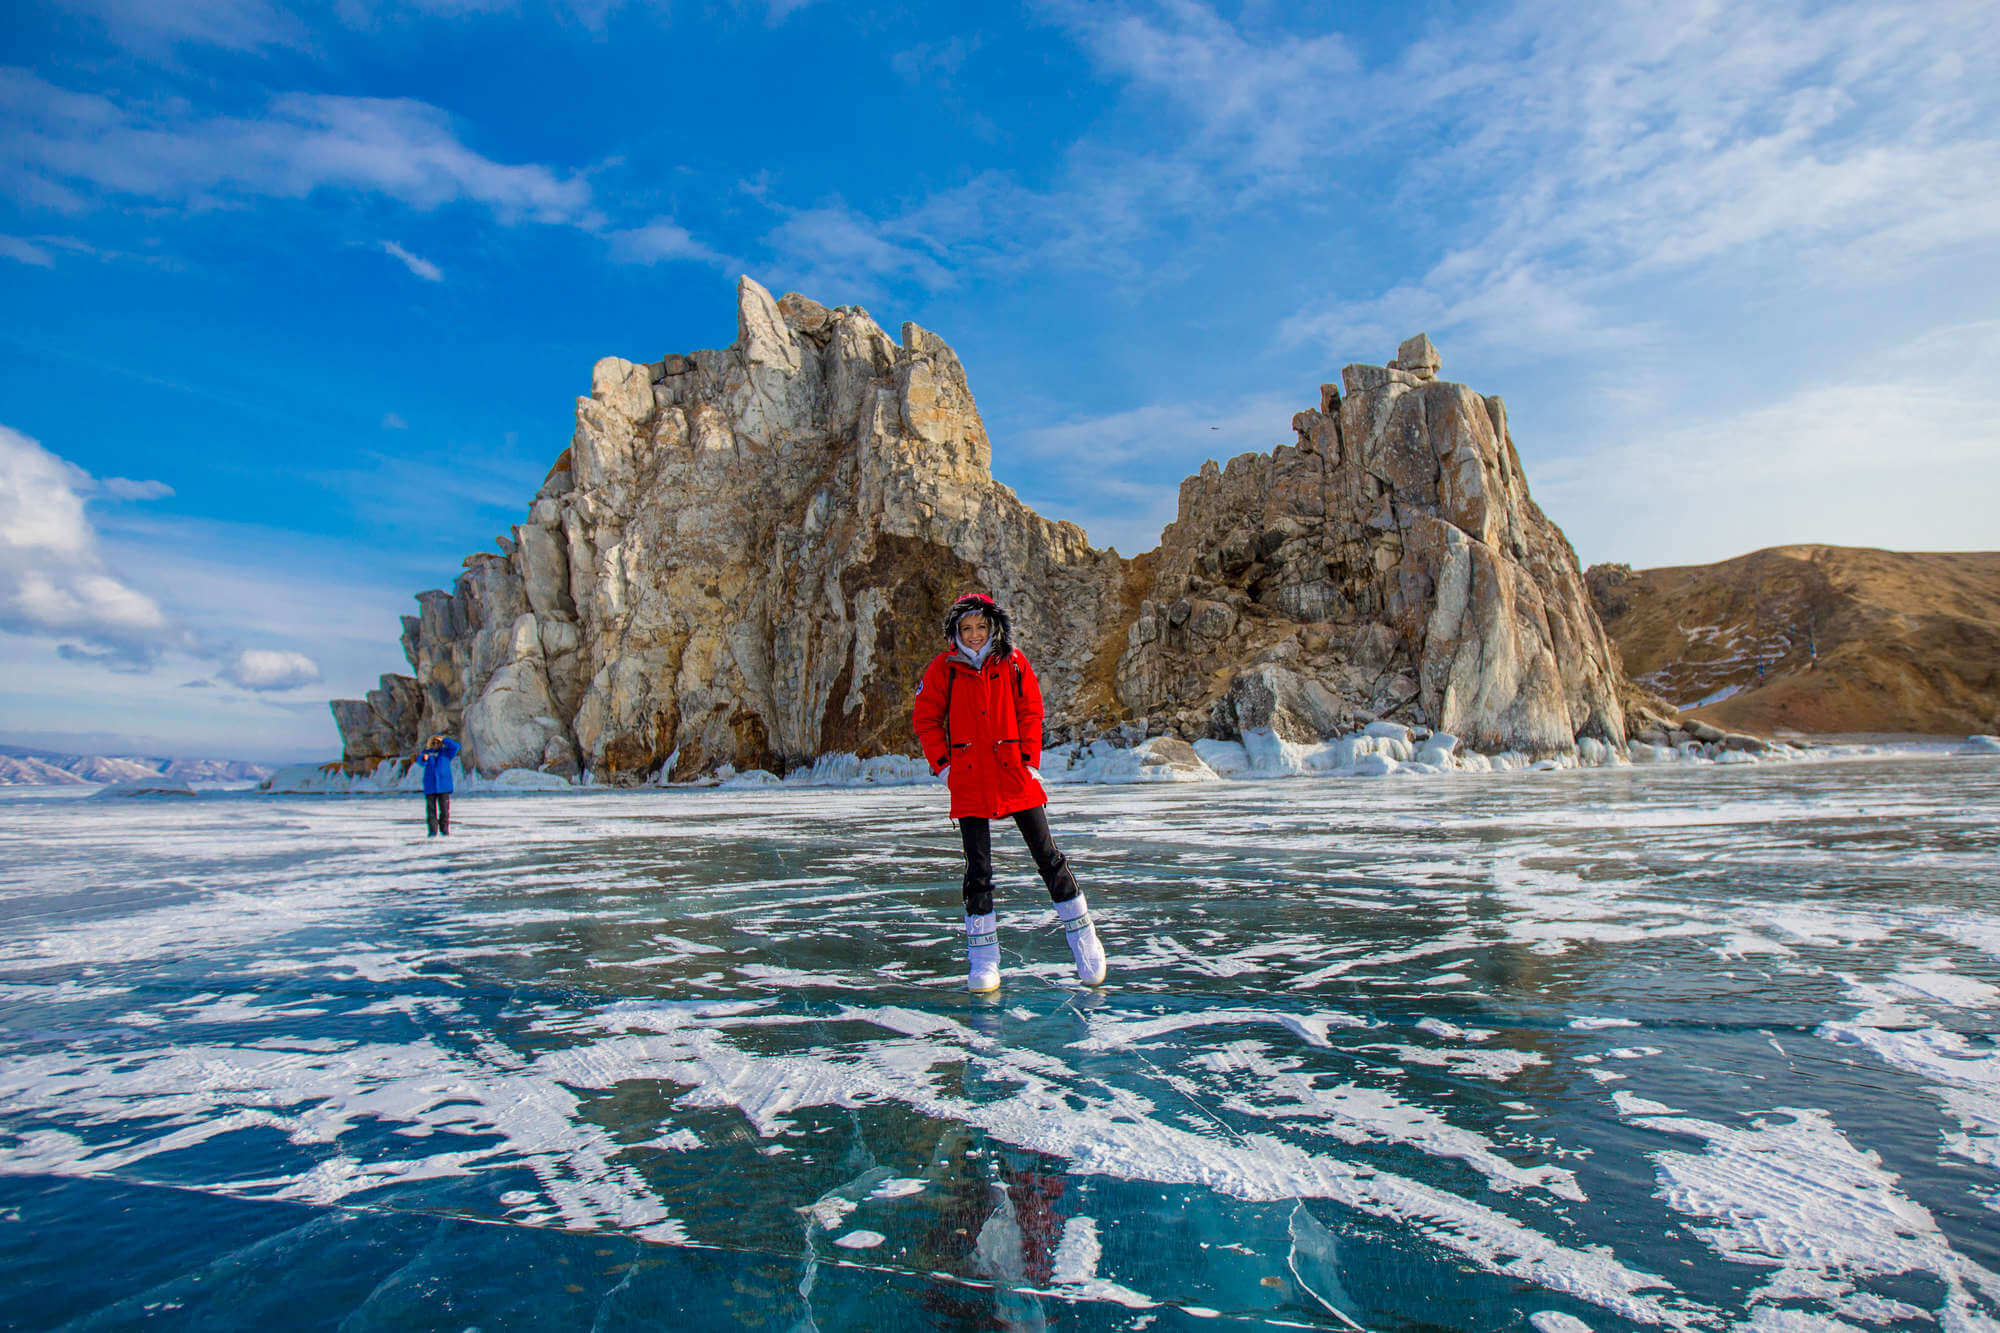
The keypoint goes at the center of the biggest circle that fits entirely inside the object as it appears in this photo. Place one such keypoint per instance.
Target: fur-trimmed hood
(1003, 628)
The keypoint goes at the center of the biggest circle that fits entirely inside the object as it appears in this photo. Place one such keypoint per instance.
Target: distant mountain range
(1815, 638)
(22, 767)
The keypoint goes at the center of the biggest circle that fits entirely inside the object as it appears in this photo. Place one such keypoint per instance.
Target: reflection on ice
(1662, 1047)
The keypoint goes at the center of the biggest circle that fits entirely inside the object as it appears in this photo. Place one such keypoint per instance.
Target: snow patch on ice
(901, 1188)
(1109, 1034)
(860, 1240)
(1553, 1321)
(1074, 1269)
(1437, 1027)
(1797, 1196)
(1497, 1065)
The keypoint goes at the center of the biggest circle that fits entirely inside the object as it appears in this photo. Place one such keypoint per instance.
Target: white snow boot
(1084, 946)
(982, 954)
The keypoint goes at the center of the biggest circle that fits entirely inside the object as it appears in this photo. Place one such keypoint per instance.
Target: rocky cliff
(1816, 639)
(1390, 564)
(744, 554)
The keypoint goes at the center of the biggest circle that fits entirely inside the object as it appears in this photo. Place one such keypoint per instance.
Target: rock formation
(1389, 564)
(742, 558)
(744, 554)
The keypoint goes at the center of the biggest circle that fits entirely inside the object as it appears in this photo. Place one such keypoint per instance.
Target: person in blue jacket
(437, 755)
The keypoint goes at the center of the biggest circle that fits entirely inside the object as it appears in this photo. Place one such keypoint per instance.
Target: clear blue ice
(1686, 1046)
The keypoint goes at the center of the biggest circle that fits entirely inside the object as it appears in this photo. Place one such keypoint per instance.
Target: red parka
(993, 736)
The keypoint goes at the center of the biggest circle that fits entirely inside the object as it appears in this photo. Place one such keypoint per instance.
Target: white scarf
(978, 659)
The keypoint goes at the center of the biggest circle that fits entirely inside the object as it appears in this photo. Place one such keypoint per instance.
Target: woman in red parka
(979, 717)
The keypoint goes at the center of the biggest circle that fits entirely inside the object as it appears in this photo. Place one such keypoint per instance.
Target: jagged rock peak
(743, 555)
(1390, 564)
(741, 558)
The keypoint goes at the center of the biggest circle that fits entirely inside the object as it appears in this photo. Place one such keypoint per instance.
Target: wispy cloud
(125, 488)
(69, 149)
(832, 248)
(1572, 155)
(1255, 105)
(660, 241)
(41, 251)
(155, 27)
(418, 266)
(391, 421)
(1534, 160)
(25, 252)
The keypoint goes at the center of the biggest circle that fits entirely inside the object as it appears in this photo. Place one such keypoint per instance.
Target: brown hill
(1815, 639)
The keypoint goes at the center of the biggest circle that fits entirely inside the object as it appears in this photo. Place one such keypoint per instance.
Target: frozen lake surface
(1678, 1047)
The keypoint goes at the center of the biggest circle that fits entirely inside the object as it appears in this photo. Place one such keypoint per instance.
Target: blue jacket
(437, 767)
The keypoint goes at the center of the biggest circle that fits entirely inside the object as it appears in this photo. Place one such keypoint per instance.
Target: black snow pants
(437, 812)
(977, 835)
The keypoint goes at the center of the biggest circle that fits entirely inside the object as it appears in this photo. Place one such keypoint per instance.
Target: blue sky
(300, 296)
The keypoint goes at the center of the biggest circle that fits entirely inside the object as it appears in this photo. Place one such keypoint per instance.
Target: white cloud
(64, 146)
(1253, 106)
(155, 26)
(270, 669)
(25, 252)
(834, 249)
(392, 421)
(420, 267)
(658, 241)
(124, 488)
(1572, 155)
(52, 580)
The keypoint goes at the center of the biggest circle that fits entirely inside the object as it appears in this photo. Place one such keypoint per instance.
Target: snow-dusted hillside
(21, 767)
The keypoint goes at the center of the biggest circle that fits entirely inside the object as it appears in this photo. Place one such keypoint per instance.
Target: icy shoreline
(1380, 750)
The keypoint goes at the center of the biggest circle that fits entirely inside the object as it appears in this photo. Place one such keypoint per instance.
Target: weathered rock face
(385, 723)
(1390, 564)
(744, 555)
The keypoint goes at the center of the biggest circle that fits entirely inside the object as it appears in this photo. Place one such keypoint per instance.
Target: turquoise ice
(1673, 1047)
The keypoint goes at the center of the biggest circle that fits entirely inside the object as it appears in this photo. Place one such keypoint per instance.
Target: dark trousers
(977, 835)
(437, 812)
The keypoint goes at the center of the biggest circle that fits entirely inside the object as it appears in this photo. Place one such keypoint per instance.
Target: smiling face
(973, 629)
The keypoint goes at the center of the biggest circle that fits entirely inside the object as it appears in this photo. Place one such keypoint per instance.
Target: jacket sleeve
(927, 713)
(450, 748)
(1028, 714)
